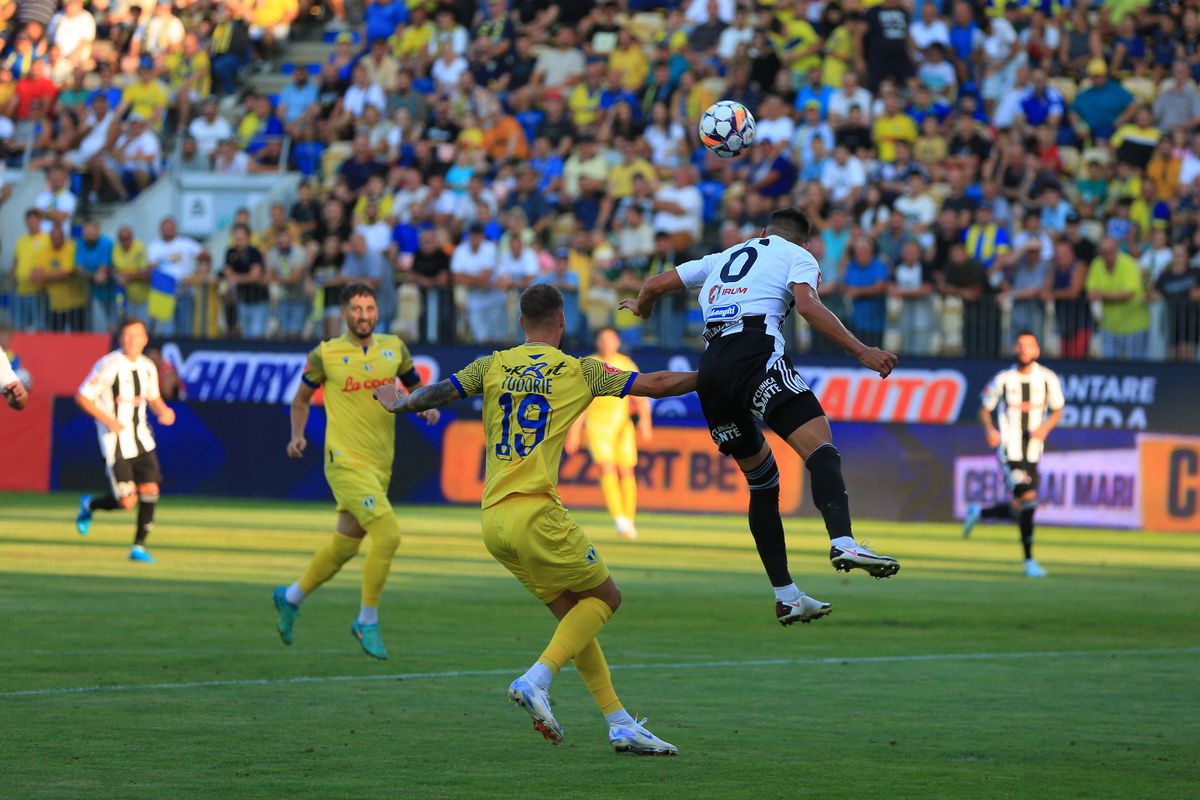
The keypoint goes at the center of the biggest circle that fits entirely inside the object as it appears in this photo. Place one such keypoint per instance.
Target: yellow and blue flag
(162, 296)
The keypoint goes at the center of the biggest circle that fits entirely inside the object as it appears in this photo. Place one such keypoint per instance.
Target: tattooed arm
(436, 395)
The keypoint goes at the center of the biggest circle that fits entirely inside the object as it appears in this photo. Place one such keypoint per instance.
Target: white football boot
(627, 738)
(536, 701)
(1033, 569)
(860, 556)
(805, 610)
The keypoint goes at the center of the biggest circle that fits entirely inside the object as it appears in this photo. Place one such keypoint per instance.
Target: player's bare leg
(813, 441)
(766, 526)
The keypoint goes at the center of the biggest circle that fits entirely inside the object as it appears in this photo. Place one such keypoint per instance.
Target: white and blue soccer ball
(727, 128)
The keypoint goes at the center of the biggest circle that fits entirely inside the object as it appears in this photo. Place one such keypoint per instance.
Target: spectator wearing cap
(147, 96)
(1115, 279)
(1098, 109)
(473, 266)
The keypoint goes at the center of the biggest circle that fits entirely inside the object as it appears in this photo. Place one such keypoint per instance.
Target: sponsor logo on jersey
(714, 293)
(369, 384)
(590, 556)
(719, 291)
(368, 502)
(725, 433)
(720, 313)
(389, 354)
(609, 368)
(763, 394)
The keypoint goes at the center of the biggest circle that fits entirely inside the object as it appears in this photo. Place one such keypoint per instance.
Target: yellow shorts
(360, 490)
(618, 447)
(536, 540)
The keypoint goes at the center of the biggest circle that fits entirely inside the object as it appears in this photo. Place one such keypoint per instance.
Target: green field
(957, 679)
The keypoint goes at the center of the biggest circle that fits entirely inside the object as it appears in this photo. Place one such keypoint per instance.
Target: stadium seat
(1070, 160)
(1066, 87)
(1141, 88)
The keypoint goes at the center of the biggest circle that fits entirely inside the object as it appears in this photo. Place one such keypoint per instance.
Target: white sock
(294, 595)
(368, 615)
(787, 594)
(842, 542)
(620, 718)
(539, 675)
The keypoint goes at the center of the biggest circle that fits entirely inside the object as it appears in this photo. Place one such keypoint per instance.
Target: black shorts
(1021, 476)
(126, 474)
(742, 379)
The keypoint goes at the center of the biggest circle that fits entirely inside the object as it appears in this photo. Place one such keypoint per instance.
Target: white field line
(770, 662)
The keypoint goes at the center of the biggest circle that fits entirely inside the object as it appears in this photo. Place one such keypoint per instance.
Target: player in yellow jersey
(360, 440)
(531, 395)
(611, 440)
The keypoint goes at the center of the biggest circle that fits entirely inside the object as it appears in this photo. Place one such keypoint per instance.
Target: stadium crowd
(974, 168)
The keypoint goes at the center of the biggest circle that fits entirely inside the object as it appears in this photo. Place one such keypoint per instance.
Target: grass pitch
(957, 679)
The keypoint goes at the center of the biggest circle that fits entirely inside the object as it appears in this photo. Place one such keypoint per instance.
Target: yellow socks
(575, 631)
(596, 677)
(629, 494)
(610, 486)
(385, 538)
(328, 560)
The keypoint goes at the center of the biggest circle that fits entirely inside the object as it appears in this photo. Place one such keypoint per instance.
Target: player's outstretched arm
(436, 395)
(656, 287)
(663, 384)
(826, 323)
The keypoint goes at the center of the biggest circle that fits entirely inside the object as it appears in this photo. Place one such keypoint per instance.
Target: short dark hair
(356, 290)
(1026, 332)
(541, 303)
(791, 223)
(128, 322)
(604, 329)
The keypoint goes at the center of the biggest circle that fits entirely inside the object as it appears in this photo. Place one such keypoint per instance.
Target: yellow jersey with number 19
(531, 395)
(358, 429)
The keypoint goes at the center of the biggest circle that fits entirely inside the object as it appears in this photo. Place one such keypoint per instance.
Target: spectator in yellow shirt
(630, 60)
(1115, 279)
(410, 45)
(27, 301)
(270, 23)
(133, 271)
(584, 100)
(189, 77)
(147, 95)
(66, 292)
(892, 126)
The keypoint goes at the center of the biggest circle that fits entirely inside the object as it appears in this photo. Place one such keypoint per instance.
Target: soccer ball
(727, 128)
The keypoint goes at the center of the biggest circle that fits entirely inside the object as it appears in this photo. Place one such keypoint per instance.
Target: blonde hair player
(611, 439)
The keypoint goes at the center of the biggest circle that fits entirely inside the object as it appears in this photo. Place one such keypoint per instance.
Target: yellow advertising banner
(1170, 483)
(680, 470)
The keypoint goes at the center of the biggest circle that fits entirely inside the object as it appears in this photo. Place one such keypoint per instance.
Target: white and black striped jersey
(7, 375)
(751, 279)
(123, 388)
(1024, 401)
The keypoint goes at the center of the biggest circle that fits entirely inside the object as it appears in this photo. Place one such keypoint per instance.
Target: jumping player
(360, 441)
(531, 395)
(117, 393)
(1023, 393)
(745, 294)
(611, 440)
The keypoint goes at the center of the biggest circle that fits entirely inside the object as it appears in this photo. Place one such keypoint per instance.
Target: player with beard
(1030, 402)
(360, 439)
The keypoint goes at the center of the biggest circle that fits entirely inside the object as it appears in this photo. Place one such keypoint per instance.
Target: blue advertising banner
(1100, 395)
